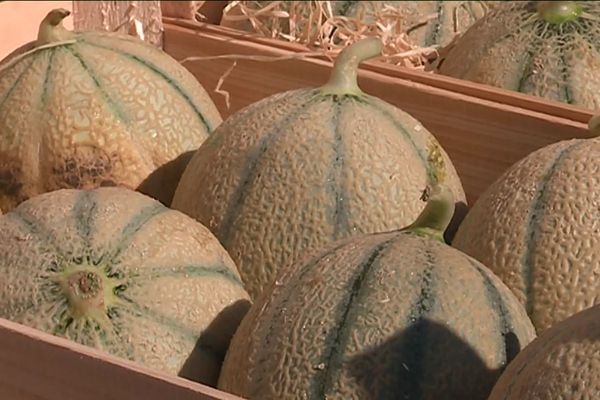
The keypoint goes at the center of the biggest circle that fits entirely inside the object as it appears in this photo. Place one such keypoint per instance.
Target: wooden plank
(483, 137)
(483, 92)
(113, 16)
(38, 366)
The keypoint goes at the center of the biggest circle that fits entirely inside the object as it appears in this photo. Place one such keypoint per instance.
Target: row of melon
(522, 46)
(299, 223)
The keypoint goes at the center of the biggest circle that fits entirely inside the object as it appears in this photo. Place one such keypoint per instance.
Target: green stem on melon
(437, 214)
(558, 12)
(51, 28)
(344, 76)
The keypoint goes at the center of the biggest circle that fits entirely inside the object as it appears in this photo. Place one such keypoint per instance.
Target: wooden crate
(483, 129)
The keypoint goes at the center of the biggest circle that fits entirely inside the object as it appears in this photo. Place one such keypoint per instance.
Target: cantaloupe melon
(562, 363)
(81, 110)
(427, 23)
(537, 228)
(298, 169)
(543, 48)
(116, 270)
(394, 315)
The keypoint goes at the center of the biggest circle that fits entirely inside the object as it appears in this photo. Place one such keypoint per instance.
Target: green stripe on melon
(299, 169)
(389, 316)
(81, 110)
(536, 228)
(547, 49)
(117, 270)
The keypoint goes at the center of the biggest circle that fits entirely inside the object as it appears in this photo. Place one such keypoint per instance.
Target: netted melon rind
(513, 48)
(101, 109)
(563, 362)
(380, 316)
(172, 295)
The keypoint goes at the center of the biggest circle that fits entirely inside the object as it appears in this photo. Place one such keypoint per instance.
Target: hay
(320, 29)
(317, 26)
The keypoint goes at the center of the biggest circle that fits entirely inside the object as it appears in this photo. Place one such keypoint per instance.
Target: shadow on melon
(163, 181)
(204, 363)
(460, 211)
(427, 360)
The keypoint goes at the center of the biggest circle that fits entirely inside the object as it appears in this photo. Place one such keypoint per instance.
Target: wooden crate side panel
(39, 366)
(484, 92)
(482, 137)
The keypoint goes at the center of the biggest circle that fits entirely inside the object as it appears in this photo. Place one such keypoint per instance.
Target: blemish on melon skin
(436, 162)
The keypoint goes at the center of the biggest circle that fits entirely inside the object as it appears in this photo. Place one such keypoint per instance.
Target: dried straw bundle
(406, 28)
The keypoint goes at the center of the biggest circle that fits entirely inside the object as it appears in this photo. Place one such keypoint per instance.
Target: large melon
(116, 270)
(299, 169)
(543, 48)
(537, 228)
(81, 110)
(427, 23)
(562, 363)
(395, 315)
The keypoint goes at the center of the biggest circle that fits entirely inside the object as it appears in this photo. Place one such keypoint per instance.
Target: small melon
(543, 48)
(86, 109)
(116, 270)
(562, 363)
(394, 315)
(427, 23)
(299, 169)
(537, 228)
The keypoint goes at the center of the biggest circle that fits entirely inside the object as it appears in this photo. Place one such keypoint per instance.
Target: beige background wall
(19, 21)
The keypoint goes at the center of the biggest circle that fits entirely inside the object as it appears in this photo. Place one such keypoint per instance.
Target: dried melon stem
(51, 28)
(437, 214)
(343, 78)
(558, 12)
(87, 290)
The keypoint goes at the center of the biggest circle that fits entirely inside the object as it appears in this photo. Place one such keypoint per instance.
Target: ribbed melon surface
(297, 170)
(537, 228)
(118, 271)
(386, 316)
(562, 363)
(515, 48)
(100, 109)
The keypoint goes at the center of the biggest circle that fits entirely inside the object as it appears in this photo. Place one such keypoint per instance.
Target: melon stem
(344, 77)
(51, 28)
(558, 12)
(437, 214)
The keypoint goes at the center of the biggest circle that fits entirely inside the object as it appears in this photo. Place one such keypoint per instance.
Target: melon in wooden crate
(81, 110)
(298, 169)
(562, 363)
(543, 48)
(537, 227)
(116, 270)
(394, 315)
